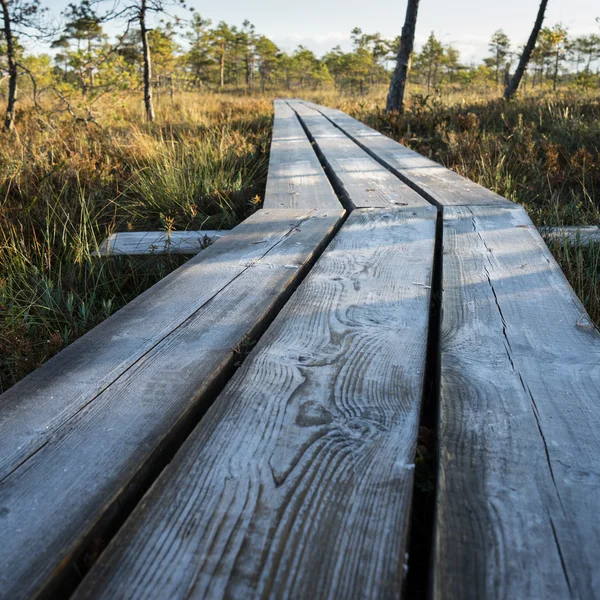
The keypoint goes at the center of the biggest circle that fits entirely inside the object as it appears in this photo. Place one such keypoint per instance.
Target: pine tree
(140, 12)
(500, 49)
(198, 58)
(18, 17)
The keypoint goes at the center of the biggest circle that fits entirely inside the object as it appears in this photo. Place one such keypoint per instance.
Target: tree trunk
(223, 65)
(513, 86)
(90, 67)
(497, 67)
(395, 99)
(556, 63)
(9, 118)
(250, 72)
(147, 65)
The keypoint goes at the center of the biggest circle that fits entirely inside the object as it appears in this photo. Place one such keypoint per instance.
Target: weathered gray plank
(438, 184)
(138, 243)
(519, 477)
(36, 406)
(574, 236)
(365, 182)
(85, 465)
(297, 482)
(296, 178)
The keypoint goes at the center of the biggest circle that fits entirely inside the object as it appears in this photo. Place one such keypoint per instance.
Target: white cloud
(319, 43)
(472, 47)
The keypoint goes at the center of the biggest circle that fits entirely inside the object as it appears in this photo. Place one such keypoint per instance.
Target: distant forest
(197, 54)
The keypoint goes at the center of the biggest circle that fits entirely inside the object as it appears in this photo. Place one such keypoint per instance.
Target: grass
(64, 187)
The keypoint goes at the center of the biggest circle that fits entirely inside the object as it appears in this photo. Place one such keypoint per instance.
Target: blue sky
(467, 24)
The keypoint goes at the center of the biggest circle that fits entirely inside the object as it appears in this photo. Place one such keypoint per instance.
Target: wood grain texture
(296, 178)
(35, 407)
(519, 474)
(140, 243)
(297, 483)
(365, 182)
(82, 470)
(438, 184)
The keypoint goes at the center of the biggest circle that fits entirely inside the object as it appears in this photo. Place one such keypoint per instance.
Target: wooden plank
(117, 412)
(363, 181)
(140, 243)
(36, 406)
(297, 483)
(436, 183)
(296, 178)
(519, 482)
(574, 236)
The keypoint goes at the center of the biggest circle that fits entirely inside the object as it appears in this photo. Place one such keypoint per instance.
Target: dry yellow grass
(65, 186)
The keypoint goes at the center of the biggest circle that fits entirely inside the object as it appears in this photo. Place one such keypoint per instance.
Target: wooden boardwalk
(292, 475)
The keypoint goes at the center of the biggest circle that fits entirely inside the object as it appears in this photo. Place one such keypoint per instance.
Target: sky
(466, 24)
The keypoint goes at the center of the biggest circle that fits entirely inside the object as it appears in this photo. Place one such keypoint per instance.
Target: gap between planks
(436, 183)
(275, 492)
(361, 180)
(77, 475)
(295, 177)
